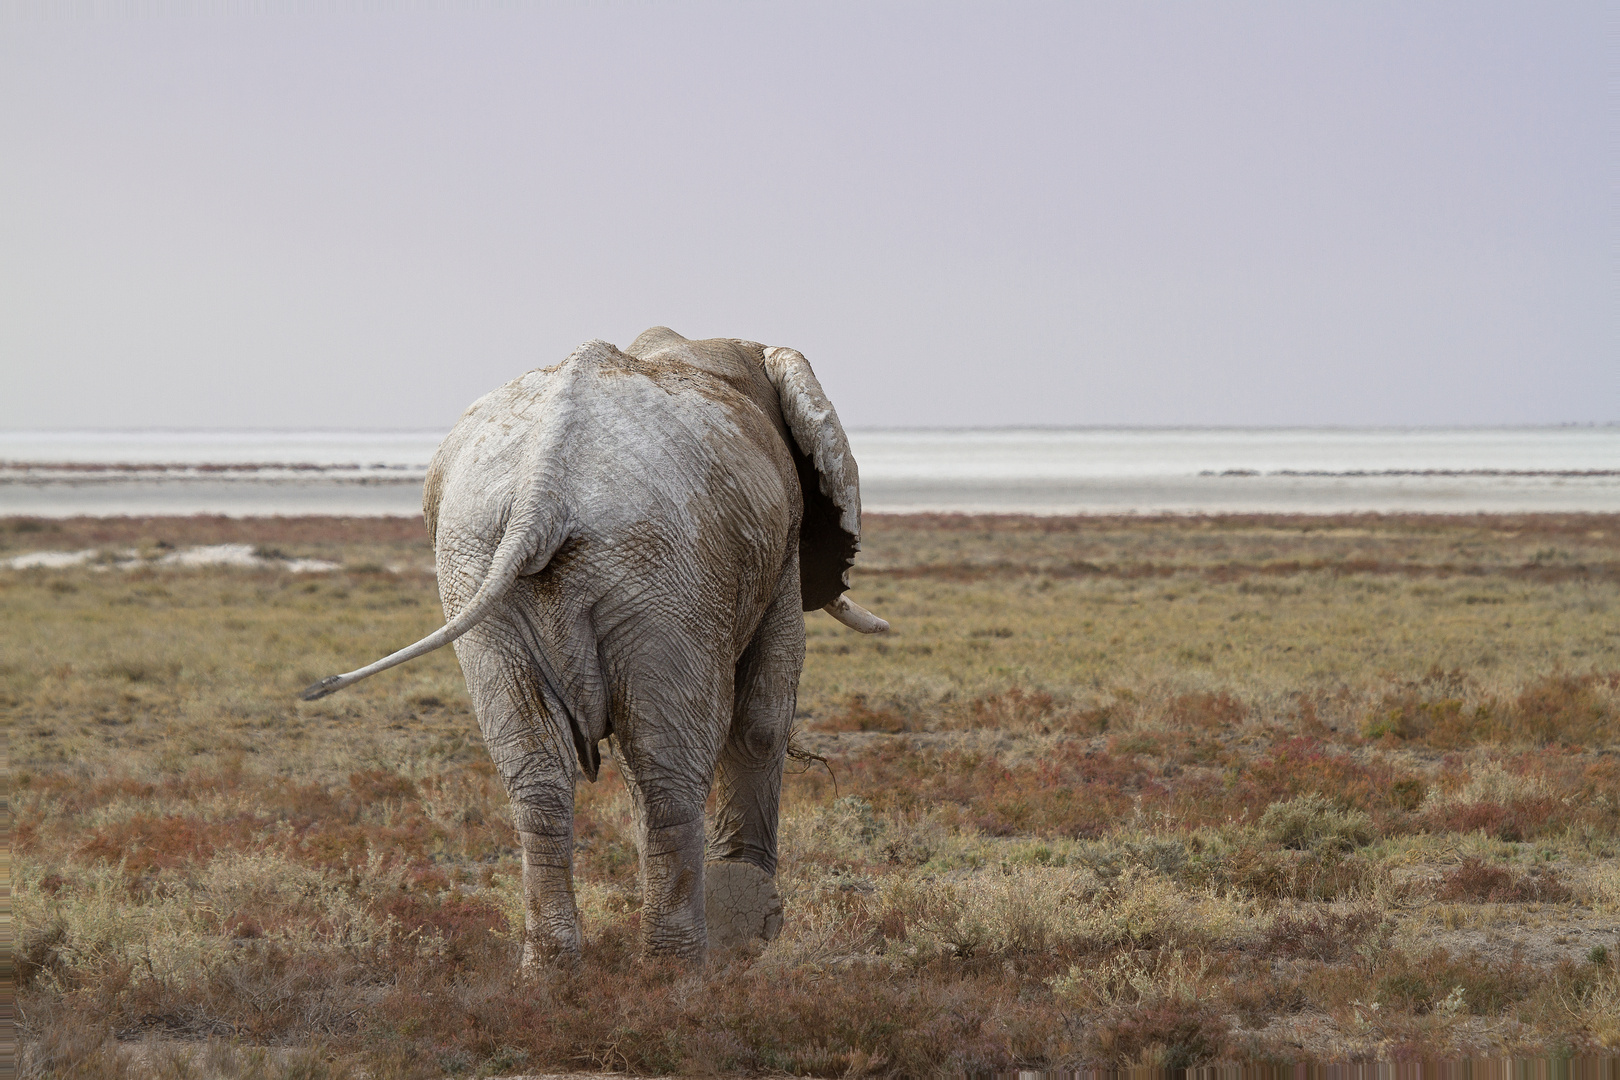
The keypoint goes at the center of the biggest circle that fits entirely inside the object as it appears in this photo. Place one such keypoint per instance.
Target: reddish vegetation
(147, 842)
(1478, 882)
(1326, 935)
(1303, 765)
(1073, 791)
(1435, 711)
(1207, 711)
(1180, 1036)
(305, 822)
(857, 715)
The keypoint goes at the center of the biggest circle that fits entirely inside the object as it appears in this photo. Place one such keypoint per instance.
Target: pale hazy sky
(1010, 213)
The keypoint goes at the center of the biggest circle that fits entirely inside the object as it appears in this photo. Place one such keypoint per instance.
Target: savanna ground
(1153, 791)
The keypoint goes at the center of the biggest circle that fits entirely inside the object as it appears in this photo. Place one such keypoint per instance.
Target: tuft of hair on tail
(316, 691)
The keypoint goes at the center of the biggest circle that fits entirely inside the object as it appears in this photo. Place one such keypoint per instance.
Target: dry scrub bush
(1164, 1038)
(97, 1056)
(1491, 783)
(848, 832)
(1603, 884)
(1477, 882)
(1589, 1000)
(1324, 933)
(1269, 875)
(1522, 802)
(1165, 976)
(1444, 710)
(1311, 822)
(1033, 909)
(1484, 987)
(183, 925)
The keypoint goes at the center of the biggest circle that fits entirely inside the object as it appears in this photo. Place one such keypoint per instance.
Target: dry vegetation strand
(1115, 792)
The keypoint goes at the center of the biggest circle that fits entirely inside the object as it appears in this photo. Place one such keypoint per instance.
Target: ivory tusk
(855, 617)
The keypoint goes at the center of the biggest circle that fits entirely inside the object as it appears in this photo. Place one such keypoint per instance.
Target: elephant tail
(520, 547)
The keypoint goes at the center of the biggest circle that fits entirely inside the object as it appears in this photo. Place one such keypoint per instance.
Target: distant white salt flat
(367, 449)
(245, 497)
(244, 555)
(1176, 470)
(913, 454)
(208, 555)
(1217, 494)
(1024, 455)
(1235, 494)
(51, 560)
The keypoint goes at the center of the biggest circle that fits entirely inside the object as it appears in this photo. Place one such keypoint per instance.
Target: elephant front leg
(749, 778)
(743, 904)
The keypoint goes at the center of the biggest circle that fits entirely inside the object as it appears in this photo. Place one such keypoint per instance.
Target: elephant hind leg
(551, 925)
(669, 836)
(532, 747)
(749, 778)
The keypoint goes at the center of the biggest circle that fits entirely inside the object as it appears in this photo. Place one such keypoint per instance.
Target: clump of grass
(1270, 874)
(1314, 823)
(1167, 976)
(1032, 909)
(1321, 933)
(1554, 708)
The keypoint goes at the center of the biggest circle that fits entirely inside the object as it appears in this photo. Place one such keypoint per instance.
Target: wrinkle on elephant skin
(625, 542)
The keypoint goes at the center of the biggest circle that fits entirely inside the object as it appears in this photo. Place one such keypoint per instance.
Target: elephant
(625, 543)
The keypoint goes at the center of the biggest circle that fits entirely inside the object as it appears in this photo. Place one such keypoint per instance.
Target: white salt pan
(50, 560)
(214, 555)
(240, 555)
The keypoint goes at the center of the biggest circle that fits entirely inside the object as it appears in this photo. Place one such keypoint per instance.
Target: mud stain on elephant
(741, 906)
(669, 373)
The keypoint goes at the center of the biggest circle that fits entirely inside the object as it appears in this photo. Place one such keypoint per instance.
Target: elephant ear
(830, 533)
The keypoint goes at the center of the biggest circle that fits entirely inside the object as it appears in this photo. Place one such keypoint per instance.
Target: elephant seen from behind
(625, 544)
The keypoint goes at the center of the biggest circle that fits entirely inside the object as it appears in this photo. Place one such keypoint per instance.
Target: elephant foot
(543, 951)
(741, 906)
(543, 956)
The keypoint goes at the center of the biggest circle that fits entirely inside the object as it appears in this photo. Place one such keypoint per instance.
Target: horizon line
(875, 429)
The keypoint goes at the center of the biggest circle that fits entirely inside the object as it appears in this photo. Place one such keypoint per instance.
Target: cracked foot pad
(740, 904)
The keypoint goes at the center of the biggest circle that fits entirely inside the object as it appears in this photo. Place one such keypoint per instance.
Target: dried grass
(1114, 792)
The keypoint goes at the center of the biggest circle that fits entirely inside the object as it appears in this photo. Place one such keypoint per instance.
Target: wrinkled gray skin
(625, 542)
